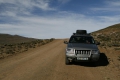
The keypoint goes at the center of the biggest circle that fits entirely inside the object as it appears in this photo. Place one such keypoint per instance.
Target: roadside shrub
(104, 38)
(117, 48)
(22, 47)
(102, 44)
(119, 58)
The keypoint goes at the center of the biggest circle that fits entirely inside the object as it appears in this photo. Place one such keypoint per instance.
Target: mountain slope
(111, 29)
(8, 39)
(109, 36)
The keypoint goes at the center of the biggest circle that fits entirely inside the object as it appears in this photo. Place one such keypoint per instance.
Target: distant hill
(109, 36)
(8, 39)
(13, 44)
(111, 29)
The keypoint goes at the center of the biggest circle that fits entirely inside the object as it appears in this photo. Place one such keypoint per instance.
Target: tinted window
(81, 39)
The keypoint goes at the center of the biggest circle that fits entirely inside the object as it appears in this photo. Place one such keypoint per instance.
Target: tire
(67, 62)
(81, 31)
(96, 63)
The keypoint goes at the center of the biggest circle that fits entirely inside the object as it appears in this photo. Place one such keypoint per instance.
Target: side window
(93, 41)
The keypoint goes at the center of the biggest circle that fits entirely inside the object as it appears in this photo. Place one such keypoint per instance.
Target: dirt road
(48, 63)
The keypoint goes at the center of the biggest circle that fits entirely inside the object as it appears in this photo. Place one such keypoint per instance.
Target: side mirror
(97, 43)
(65, 42)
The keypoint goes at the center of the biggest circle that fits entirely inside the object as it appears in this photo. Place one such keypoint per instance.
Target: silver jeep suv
(81, 47)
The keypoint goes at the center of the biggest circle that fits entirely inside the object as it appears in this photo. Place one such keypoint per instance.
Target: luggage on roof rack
(81, 32)
(74, 33)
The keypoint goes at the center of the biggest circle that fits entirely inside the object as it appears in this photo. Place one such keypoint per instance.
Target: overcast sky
(56, 18)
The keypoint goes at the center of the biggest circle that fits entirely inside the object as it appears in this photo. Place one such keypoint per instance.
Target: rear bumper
(92, 58)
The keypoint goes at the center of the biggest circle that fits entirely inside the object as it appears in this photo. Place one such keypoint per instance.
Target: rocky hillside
(109, 36)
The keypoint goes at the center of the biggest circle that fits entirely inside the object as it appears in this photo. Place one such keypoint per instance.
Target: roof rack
(81, 32)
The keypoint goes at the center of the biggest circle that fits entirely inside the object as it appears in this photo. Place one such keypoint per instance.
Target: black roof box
(81, 32)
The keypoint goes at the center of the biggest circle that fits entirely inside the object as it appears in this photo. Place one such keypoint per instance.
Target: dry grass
(113, 57)
(10, 44)
(109, 36)
(110, 43)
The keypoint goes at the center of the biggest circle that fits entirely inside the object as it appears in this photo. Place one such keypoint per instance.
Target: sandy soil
(48, 63)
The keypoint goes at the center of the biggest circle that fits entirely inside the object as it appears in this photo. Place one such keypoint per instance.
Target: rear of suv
(81, 47)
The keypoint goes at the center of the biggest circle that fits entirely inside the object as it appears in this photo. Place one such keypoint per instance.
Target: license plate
(82, 58)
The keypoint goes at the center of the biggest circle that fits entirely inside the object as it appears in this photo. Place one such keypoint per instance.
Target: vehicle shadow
(103, 61)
